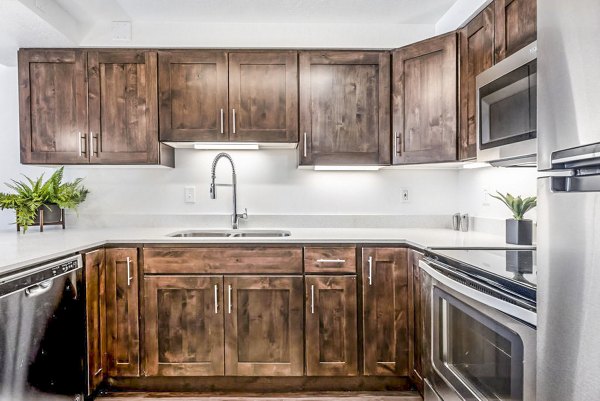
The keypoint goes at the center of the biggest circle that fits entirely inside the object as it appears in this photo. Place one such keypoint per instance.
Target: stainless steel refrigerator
(568, 345)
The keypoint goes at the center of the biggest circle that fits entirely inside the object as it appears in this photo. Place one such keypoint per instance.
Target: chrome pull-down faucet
(235, 216)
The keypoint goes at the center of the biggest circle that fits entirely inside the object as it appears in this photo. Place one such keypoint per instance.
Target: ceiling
(206, 23)
(262, 11)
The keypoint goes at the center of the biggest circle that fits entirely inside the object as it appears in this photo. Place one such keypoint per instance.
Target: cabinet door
(476, 55)
(122, 313)
(424, 101)
(263, 96)
(331, 332)
(123, 107)
(53, 106)
(183, 320)
(263, 326)
(95, 305)
(516, 26)
(415, 323)
(385, 311)
(344, 108)
(193, 95)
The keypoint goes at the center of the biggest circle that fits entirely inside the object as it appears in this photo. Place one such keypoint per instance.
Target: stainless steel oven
(482, 340)
(507, 110)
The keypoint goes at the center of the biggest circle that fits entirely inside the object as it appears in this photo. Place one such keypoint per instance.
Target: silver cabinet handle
(233, 131)
(395, 142)
(370, 270)
(129, 276)
(331, 260)
(222, 121)
(312, 299)
(97, 139)
(305, 146)
(216, 299)
(80, 147)
(229, 297)
(91, 146)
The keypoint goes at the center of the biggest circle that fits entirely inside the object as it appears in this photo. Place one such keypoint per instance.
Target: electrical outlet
(404, 196)
(189, 194)
(486, 198)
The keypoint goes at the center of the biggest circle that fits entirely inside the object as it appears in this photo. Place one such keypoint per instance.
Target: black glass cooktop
(513, 269)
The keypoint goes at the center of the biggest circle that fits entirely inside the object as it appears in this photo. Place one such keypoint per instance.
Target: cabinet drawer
(223, 260)
(330, 259)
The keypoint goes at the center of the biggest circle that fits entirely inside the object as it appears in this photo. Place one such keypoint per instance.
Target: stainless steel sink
(230, 234)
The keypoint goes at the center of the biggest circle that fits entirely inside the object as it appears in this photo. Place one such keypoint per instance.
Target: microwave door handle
(493, 302)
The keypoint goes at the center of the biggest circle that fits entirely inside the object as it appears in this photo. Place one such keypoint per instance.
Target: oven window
(508, 106)
(478, 353)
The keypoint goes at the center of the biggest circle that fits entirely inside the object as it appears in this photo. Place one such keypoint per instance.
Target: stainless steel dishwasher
(42, 333)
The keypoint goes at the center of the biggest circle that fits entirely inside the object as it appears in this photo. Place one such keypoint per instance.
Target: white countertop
(18, 251)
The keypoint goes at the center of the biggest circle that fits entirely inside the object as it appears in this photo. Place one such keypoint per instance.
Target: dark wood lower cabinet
(183, 320)
(331, 328)
(415, 321)
(122, 312)
(264, 326)
(385, 311)
(95, 305)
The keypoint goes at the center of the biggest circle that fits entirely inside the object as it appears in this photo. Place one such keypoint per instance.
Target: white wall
(268, 183)
(473, 184)
(271, 35)
(460, 12)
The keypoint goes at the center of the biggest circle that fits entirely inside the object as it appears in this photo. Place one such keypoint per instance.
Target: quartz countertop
(19, 251)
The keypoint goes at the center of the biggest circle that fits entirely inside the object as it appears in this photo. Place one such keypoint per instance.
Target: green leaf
(30, 195)
(517, 205)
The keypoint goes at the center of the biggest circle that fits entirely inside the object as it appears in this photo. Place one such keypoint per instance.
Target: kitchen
(298, 200)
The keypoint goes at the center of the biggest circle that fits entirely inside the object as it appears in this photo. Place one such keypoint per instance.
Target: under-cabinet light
(347, 168)
(226, 146)
(475, 165)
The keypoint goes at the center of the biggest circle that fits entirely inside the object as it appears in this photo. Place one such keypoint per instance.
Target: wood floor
(323, 396)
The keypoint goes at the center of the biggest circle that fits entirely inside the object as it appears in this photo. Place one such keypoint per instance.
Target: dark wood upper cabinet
(53, 106)
(264, 326)
(183, 318)
(344, 108)
(424, 101)
(476, 55)
(193, 95)
(385, 311)
(415, 322)
(95, 305)
(515, 26)
(123, 108)
(122, 312)
(331, 326)
(263, 96)
(80, 107)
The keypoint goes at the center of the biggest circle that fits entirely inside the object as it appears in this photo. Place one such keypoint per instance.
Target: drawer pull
(129, 276)
(370, 270)
(331, 260)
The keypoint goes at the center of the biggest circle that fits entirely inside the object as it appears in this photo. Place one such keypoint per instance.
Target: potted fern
(519, 231)
(37, 202)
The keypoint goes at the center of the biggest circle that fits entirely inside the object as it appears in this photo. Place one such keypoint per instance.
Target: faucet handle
(245, 214)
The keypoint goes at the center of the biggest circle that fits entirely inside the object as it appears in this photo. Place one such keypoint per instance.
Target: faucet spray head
(213, 191)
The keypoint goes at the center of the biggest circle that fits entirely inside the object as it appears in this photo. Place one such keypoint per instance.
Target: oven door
(479, 349)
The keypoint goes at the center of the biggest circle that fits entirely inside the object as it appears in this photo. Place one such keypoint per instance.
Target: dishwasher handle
(38, 289)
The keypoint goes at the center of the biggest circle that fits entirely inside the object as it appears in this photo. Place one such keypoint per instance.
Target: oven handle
(493, 302)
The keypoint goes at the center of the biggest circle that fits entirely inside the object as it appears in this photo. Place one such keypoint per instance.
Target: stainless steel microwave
(507, 110)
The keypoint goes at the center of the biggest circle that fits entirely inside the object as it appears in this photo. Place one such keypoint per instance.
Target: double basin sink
(230, 234)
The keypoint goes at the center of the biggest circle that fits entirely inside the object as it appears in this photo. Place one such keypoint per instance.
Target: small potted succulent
(519, 231)
(37, 202)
